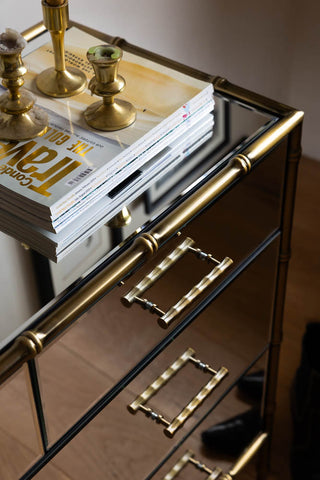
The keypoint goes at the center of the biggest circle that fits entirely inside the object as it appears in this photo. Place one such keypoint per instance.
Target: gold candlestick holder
(59, 81)
(19, 118)
(110, 113)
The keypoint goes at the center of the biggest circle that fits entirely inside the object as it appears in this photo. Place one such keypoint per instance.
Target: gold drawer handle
(166, 318)
(216, 472)
(173, 425)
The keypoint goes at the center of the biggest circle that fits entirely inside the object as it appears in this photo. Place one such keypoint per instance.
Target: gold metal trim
(33, 32)
(120, 220)
(245, 457)
(148, 241)
(35, 338)
(269, 405)
(173, 426)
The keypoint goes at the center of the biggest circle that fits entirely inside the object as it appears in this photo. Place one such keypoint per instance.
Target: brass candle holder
(110, 113)
(59, 81)
(19, 118)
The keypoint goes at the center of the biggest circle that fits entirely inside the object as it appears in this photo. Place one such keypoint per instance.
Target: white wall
(304, 85)
(269, 47)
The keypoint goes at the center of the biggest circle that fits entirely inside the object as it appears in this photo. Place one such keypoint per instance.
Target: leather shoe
(233, 436)
(252, 385)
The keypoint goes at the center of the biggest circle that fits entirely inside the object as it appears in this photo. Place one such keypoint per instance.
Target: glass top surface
(30, 282)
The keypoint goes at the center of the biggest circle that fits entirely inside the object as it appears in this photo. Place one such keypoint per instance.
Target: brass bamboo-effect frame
(31, 343)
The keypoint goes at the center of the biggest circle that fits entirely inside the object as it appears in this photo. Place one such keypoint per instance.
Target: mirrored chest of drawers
(150, 326)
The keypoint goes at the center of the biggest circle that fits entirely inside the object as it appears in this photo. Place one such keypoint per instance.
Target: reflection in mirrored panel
(19, 434)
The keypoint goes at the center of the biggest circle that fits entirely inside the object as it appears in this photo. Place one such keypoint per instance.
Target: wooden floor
(302, 303)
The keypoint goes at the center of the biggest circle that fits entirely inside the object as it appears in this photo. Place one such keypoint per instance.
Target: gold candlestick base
(109, 114)
(23, 126)
(115, 116)
(61, 83)
(19, 119)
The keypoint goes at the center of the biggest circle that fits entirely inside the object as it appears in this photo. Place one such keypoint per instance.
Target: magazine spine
(121, 175)
(132, 152)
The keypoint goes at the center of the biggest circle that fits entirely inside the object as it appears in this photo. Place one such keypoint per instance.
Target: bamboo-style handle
(155, 386)
(172, 426)
(157, 272)
(195, 403)
(166, 318)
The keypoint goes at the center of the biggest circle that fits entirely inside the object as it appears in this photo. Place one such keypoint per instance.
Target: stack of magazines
(57, 189)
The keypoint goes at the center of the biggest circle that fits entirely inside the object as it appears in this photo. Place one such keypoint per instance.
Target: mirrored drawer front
(245, 215)
(210, 247)
(240, 219)
(19, 440)
(97, 352)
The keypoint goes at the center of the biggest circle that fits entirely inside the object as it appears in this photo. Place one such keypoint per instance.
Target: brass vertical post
(294, 154)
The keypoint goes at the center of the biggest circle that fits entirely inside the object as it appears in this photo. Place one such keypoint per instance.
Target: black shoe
(305, 403)
(234, 435)
(252, 385)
